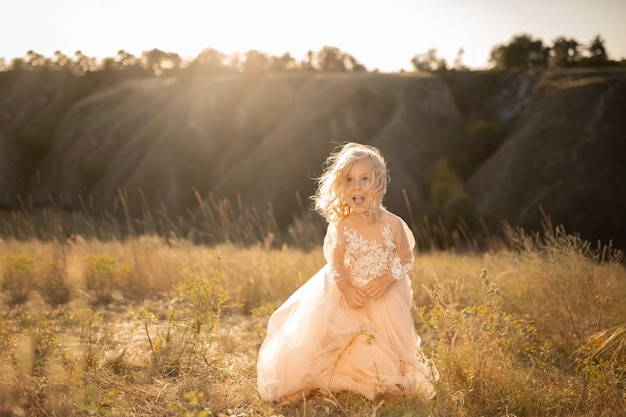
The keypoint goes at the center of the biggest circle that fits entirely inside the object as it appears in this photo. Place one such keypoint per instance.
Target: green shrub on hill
(448, 199)
(444, 184)
(92, 168)
(36, 134)
(483, 137)
(478, 141)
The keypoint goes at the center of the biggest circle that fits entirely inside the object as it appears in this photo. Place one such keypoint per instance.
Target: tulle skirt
(315, 341)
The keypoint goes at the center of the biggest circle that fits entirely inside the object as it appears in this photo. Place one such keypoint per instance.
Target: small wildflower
(483, 276)
(76, 239)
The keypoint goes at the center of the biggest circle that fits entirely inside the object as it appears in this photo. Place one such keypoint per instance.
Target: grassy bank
(149, 326)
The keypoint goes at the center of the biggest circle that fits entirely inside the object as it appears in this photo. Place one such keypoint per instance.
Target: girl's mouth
(358, 200)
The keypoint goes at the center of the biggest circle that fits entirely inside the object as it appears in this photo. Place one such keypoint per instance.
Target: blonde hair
(328, 198)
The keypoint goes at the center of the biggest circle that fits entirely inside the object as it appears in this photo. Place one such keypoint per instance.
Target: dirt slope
(226, 136)
(263, 140)
(566, 153)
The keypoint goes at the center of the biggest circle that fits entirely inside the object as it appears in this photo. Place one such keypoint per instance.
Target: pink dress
(315, 341)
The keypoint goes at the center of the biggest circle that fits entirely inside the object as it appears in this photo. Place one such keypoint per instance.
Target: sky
(382, 34)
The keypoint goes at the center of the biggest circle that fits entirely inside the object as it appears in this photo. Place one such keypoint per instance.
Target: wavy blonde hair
(331, 185)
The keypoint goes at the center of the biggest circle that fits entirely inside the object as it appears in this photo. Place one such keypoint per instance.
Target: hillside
(261, 140)
(566, 152)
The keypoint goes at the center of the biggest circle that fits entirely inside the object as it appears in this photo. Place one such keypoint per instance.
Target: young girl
(350, 326)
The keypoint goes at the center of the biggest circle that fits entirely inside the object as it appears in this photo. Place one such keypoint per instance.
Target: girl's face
(358, 186)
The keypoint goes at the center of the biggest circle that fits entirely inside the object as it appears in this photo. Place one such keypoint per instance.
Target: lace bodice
(368, 259)
(354, 257)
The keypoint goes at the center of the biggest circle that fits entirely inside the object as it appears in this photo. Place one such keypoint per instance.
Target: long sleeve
(404, 240)
(334, 253)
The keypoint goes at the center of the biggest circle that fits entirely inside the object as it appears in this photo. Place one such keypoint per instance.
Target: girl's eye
(366, 179)
(350, 180)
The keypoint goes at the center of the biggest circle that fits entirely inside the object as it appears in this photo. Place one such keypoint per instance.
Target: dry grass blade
(610, 343)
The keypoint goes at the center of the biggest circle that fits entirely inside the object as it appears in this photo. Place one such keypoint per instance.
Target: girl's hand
(377, 287)
(354, 297)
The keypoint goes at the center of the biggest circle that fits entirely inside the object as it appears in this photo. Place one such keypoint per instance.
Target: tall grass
(214, 221)
(111, 322)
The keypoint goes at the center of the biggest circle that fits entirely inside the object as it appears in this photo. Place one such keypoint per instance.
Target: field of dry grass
(146, 326)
